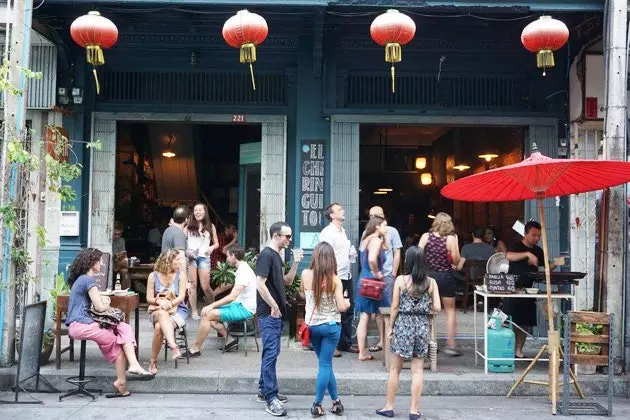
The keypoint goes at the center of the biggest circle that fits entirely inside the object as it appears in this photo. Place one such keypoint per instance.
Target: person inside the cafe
(525, 257)
(119, 251)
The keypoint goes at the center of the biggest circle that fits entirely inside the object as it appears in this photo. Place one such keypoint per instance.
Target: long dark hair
(416, 265)
(194, 225)
(82, 263)
(324, 267)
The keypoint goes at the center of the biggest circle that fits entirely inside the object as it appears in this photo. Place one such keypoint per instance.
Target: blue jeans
(270, 330)
(324, 338)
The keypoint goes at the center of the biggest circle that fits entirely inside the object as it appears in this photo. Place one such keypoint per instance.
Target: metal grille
(201, 88)
(424, 90)
(40, 93)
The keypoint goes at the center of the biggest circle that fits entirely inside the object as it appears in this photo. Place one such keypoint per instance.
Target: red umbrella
(540, 177)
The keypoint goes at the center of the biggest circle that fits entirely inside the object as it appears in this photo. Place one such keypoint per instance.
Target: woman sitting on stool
(117, 347)
(166, 292)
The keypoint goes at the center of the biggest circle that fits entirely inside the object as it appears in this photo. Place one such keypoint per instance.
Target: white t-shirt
(340, 244)
(245, 277)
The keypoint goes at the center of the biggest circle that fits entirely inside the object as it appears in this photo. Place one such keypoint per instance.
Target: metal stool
(252, 331)
(81, 381)
(181, 339)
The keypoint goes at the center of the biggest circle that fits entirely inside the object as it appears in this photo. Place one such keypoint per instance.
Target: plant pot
(44, 356)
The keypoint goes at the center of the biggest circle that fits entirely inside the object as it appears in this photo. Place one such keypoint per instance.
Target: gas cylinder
(500, 346)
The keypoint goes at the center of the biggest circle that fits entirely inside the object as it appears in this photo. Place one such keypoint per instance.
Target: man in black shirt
(525, 256)
(271, 304)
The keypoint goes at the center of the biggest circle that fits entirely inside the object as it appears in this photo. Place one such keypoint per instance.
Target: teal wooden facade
(319, 68)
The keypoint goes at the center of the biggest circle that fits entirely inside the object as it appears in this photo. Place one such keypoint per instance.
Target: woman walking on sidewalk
(324, 304)
(415, 297)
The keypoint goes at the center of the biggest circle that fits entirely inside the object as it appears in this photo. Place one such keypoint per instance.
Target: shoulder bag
(304, 334)
(109, 318)
(372, 288)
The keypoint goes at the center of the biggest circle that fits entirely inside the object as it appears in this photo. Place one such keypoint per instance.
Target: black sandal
(317, 410)
(337, 408)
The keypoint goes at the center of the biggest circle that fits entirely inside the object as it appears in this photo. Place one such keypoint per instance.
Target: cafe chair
(246, 328)
(81, 381)
(181, 339)
(474, 271)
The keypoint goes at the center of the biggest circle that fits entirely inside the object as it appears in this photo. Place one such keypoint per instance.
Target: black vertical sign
(312, 181)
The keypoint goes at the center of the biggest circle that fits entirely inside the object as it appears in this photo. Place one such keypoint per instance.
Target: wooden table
(126, 303)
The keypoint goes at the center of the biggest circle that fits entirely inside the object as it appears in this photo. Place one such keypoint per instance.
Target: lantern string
(393, 79)
(251, 71)
(98, 86)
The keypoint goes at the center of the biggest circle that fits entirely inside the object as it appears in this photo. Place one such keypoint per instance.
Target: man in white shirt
(239, 305)
(335, 235)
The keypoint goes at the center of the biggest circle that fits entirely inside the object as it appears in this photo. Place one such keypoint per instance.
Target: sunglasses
(287, 236)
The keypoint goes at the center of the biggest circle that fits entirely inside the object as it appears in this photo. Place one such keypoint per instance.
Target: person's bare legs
(519, 342)
(395, 365)
(380, 327)
(210, 321)
(167, 325)
(362, 336)
(192, 292)
(417, 383)
(204, 279)
(449, 310)
(156, 347)
(121, 368)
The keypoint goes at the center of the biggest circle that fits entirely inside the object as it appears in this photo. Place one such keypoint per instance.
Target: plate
(107, 293)
(498, 263)
(120, 292)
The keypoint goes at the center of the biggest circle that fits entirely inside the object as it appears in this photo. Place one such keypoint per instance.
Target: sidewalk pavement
(233, 373)
(174, 406)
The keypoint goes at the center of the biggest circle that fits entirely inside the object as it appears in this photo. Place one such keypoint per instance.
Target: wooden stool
(81, 381)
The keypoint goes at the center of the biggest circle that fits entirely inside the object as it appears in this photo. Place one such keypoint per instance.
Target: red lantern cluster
(94, 33)
(392, 30)
(245, 31)
(544, 36)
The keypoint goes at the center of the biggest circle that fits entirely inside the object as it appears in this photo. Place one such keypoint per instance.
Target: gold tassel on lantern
(393, 54)
(95, 58)
(545, 60)
(248, 55)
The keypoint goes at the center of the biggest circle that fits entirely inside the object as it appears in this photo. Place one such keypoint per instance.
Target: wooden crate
(603, 339)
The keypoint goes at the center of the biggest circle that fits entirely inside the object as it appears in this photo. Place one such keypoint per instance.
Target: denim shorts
(202, 263)
(233, 312)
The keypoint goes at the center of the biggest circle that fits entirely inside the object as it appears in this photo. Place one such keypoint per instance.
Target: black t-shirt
(269, 265)
(522, 267)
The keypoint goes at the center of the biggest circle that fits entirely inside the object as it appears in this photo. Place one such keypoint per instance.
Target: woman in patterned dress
(416, 296)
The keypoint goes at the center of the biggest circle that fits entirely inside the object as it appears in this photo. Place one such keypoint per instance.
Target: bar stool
(81, 381)
(181, 339)
(246, 332)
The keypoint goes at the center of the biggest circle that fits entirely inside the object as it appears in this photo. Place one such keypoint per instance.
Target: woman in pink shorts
(117, 345)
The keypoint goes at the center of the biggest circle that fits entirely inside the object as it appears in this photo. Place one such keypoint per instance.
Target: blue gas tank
(500, 345)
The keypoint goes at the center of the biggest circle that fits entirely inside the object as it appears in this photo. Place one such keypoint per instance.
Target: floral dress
(411, 332)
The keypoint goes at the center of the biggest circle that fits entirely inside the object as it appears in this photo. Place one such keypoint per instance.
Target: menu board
(501, 283)
(312, 185)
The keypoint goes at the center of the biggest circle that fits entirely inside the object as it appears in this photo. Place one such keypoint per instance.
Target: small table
(126, 303)
(485, 296)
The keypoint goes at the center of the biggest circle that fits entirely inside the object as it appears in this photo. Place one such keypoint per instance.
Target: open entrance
(403, 168)
(160, 165)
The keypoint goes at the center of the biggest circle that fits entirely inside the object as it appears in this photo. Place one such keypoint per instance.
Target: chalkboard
(102, 277)
(501, 283)
(31, 336)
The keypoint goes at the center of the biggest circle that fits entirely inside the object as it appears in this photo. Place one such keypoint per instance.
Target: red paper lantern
(544, 36)
(94, 33)
(246, 30)
(392, 30)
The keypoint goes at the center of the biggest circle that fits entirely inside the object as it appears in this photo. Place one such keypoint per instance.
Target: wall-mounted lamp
(77, 95)
(380, 192)
(426, 178)
(431, 215)
(169, 153)
(421, 162)
(461, 167)
(488, 156)
(386, 189)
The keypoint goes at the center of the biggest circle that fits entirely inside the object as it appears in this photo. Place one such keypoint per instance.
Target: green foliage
(223, 274)
(61, 287)
(293, 291)
(588, 329)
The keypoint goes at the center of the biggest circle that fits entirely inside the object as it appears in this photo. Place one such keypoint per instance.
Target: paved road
(234, 407)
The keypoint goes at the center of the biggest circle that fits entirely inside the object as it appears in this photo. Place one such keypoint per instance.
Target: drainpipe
(18, 39)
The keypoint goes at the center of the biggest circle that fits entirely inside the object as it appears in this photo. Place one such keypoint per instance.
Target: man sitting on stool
(239, 305)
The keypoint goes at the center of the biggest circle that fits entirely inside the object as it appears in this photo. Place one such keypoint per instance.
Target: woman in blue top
(372, 254)
(166, 294)
(117, 345)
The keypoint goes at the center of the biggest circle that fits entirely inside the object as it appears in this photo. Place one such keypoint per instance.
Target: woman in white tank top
(324, 302)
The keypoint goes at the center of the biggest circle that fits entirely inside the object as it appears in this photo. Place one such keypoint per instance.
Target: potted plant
(61, 288)
(588, 348)
(295, 304)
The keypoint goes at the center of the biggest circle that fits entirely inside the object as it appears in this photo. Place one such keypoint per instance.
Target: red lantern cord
(544, 36)
(245, 31)
(94, 33)
(392, 30)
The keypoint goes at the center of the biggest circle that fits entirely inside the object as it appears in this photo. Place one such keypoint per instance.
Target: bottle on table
(118, 285)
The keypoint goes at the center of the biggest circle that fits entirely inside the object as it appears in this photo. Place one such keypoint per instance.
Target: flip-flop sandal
(367, 359)
(140, 376)
(375, 349)
(232, 345)
(118, 394)
(153, 363)
(191, 354)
